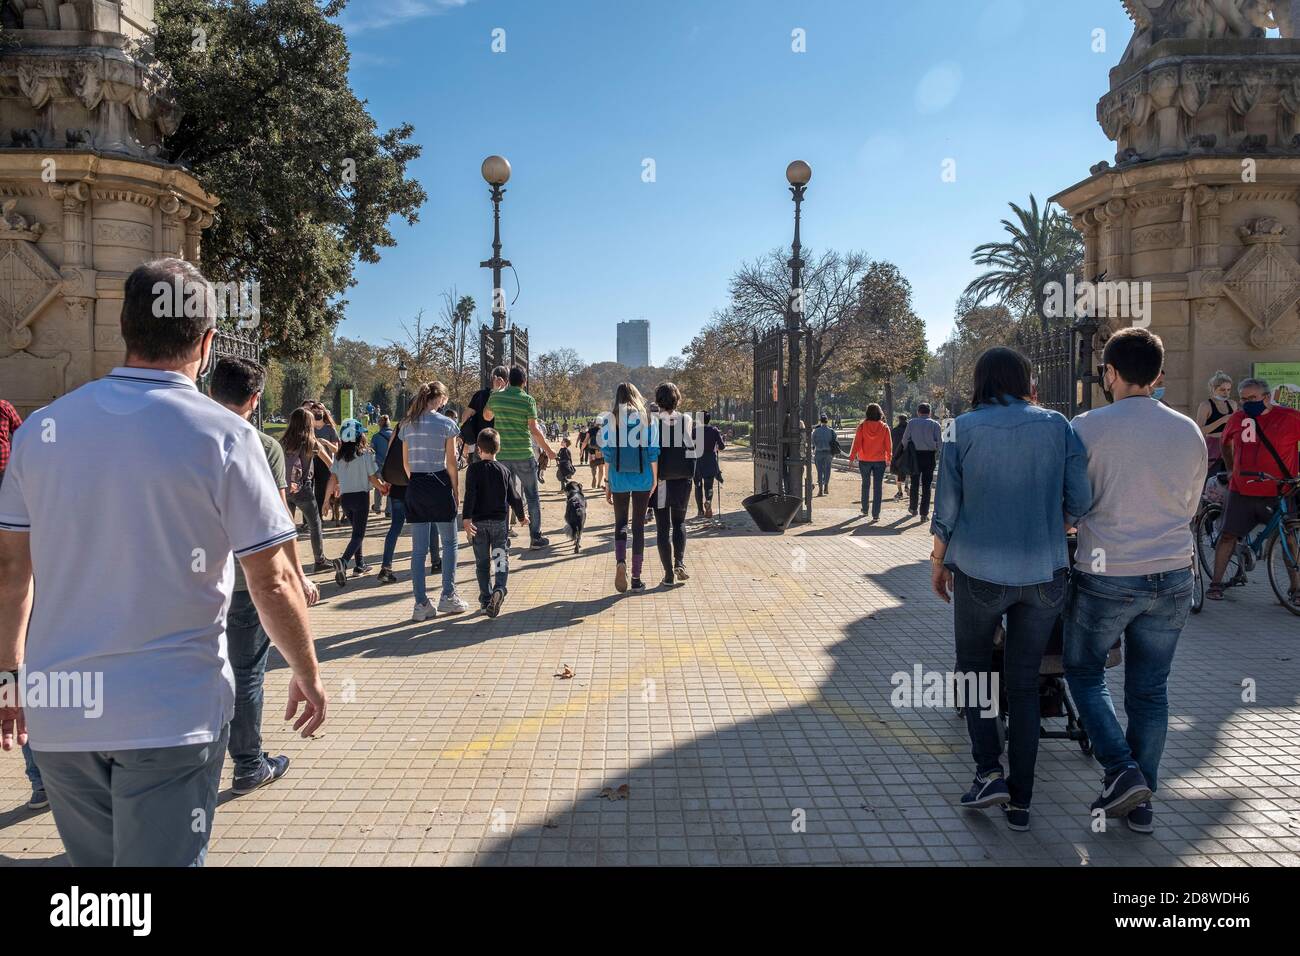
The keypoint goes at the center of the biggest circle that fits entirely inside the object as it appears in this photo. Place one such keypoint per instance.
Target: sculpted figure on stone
(1156, 20)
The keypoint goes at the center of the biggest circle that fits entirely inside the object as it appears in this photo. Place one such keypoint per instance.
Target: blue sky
(712, 91)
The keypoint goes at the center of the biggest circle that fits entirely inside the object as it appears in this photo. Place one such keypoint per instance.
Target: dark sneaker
(273, 768)
(436, 567)
(668, 580)
(39, 800)
(638, 584)
(1122, 791)
(494, 602)
(361, 569)
(985, 793)
(340, 573)
(322, 566)
(539, 542)
(386, 576)
(680, 571)
(1141, 819)
(1017, 817)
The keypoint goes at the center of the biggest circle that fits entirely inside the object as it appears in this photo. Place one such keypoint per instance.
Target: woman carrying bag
(432, 495)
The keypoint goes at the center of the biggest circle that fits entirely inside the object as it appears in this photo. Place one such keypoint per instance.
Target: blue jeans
(148, 807)
(822, 459)
(247, 645)
(1031, 613)
(873, 476)
(394, 530)
(491, 554)
(29, 766)
(526, 472)
(421, 539)
(1149, 612)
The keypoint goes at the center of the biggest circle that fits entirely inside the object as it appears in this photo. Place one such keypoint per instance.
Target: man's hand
(310, 591)
(470, 529)
(13, 726)
(941, 581)
(312, 694)
(609, 494)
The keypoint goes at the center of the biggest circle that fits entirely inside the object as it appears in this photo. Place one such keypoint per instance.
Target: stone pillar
(86, 193)
(1200, 207)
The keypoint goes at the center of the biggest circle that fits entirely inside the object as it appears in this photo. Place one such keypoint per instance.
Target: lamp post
(496, 173)
(798, 174)
(402, 372)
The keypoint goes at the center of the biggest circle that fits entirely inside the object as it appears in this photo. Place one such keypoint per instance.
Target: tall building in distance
(634, 343)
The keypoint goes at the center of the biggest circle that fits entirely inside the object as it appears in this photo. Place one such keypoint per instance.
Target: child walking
(491, 493)
(351, 476)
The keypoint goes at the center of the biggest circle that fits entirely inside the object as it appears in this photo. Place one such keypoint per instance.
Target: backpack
(394, 471)
(475, 423)
(623, 458)
(674, 441)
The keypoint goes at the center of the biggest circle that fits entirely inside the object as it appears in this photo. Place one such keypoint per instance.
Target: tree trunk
(889, 403)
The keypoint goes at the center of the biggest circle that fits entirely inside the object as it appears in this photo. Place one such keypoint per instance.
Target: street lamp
(496, 173)
(798, 174)
(402, 372)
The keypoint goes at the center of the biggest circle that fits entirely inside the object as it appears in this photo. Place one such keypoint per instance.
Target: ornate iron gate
(1062, 362)
(511, 345)
(229, 343)
(769, 410)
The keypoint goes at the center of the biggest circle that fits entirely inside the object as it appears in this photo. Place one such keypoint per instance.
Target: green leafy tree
(1043, 246)
(307, 182)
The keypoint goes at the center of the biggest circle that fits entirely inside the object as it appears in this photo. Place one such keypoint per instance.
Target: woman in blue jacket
(1012, 477)
(629, 442)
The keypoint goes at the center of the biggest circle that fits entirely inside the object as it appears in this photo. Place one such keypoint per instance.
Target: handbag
(429, 498)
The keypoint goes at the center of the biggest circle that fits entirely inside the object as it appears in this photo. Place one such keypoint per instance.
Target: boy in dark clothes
(491, 493)
(564, 469)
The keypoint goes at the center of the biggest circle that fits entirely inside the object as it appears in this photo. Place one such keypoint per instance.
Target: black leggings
(638, 502)
(356, 505)
(670, 536)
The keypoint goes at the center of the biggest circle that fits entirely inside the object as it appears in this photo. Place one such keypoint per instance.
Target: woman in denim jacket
(1012, 478)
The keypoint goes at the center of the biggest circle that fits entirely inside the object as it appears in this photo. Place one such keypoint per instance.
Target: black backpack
(394, 471)
(674, 440)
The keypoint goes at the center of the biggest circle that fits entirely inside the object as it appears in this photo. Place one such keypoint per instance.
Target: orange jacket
(872, 443)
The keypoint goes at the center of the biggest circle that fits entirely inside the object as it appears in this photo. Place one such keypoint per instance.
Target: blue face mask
(1254, 409)
(1158, 393)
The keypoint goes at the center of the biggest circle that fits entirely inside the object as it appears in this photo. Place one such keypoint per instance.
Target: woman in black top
(673, 492)
(1213, 415)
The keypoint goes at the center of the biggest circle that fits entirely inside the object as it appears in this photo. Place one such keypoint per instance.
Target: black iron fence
(232, 344)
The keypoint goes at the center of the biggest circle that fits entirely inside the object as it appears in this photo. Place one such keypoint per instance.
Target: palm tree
(1043, 247)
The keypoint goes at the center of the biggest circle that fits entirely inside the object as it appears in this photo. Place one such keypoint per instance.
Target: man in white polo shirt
(124, 505)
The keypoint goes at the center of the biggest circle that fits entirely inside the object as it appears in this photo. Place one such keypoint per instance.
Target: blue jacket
(1008, 478)
(630, 454)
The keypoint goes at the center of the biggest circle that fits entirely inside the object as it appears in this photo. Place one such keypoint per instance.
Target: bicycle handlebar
(1267, 477)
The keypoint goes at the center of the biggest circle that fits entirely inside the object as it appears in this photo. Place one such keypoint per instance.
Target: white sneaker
(453, 604)
(423, 611)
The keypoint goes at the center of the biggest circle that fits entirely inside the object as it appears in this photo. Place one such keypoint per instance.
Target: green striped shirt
(512, 409)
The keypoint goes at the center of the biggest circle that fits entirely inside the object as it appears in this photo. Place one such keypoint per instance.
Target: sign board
(1283, 378)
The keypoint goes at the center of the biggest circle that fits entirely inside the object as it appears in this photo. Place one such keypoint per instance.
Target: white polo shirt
(137, 489)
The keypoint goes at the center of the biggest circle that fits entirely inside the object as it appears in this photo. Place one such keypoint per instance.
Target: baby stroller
(1054, 700)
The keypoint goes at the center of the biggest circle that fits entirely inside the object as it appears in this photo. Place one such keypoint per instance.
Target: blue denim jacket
(1008, 477)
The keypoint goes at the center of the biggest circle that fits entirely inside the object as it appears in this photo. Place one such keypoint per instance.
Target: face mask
(1158, 393)
(1254, 409)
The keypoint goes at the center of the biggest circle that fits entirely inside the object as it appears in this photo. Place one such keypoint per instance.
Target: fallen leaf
(609, 793)
(565, 673)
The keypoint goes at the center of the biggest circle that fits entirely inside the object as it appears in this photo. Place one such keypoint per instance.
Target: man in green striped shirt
(513, 413)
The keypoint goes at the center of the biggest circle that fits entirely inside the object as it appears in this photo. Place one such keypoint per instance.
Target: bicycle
(1277, 544)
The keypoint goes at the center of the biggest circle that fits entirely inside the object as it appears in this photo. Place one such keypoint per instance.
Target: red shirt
(9, 422)
(1282, 426)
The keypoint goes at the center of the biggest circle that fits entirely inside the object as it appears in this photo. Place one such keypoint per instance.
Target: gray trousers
(149, 807)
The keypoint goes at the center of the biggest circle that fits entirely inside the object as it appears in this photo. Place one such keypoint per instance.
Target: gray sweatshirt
(1146, 464)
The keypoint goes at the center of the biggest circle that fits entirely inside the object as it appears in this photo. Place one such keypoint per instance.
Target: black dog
(575, 513)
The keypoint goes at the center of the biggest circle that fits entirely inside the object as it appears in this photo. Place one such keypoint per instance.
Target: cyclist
(1259, 437)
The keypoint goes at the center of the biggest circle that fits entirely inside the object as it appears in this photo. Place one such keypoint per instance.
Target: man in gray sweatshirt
(1133, 569)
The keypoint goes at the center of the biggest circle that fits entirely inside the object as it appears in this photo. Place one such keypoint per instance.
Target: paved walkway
(744, 718)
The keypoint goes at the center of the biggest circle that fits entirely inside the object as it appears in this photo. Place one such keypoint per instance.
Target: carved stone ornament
(28, 280)
(1265, 282)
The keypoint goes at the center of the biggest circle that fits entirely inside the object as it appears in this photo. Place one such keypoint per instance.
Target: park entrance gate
(1062, 361)
(783, 421)
(232, 344)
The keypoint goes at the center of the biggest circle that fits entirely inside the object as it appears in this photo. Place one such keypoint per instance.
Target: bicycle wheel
(1209, 527)
(1283, 558)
